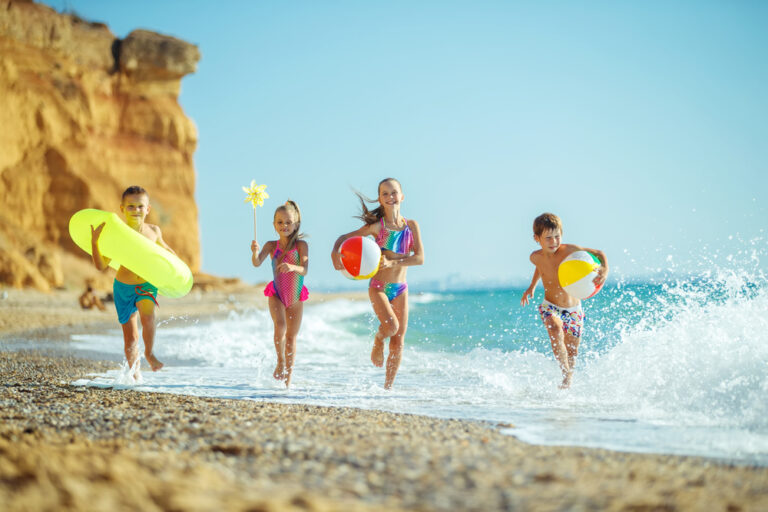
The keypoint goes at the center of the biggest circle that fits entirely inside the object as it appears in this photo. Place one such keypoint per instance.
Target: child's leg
(147, 314)
(555, 331)
(293, 316)
(277, 311)
(400, 308)
(388, 326)
(572, 346)
(131, 341)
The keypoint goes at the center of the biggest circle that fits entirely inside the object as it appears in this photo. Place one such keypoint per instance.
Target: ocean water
(675, 365)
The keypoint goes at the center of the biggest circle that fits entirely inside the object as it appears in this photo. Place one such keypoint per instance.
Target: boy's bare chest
(148, 233)
(548, 270)
(549, 276)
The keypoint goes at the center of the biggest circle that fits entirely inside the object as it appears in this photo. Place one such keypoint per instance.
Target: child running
(560, 312)
(132, 293)
(400, 242)
(290, 260)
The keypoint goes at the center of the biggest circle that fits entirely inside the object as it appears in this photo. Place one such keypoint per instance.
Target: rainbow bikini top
(400, 242)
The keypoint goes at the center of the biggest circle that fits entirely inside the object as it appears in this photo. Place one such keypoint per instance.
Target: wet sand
(72, 448)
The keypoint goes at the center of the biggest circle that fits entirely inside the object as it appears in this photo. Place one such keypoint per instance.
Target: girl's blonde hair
(372, 216)
(291, 207)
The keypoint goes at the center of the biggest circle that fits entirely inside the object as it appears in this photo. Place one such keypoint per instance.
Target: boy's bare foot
(279, 373)
(154, 363)
(134, 370)
(566, 381)
(377, 354)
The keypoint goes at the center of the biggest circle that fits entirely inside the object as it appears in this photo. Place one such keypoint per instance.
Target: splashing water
(679, 365)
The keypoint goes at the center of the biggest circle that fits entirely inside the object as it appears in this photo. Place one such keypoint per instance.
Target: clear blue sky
(644, 125)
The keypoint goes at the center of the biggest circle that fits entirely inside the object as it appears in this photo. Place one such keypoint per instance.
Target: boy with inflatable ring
(560, 312)
(131, 292)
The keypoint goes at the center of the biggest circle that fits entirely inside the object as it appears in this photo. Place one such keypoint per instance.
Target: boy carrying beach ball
(561, 313)
(132, 293)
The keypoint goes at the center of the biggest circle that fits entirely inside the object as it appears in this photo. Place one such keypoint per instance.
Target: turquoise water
(679, 365)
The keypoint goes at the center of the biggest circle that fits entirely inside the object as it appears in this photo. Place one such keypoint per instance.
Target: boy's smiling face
(135, 208)
(549, 240)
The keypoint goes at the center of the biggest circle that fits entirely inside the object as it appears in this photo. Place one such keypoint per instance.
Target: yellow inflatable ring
(133, 251)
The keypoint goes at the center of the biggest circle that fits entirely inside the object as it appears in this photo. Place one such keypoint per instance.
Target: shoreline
(63, 447)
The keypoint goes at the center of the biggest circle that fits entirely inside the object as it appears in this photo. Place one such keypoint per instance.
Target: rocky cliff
(83, 115)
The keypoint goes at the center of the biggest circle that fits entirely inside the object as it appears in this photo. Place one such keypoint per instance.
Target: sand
(71, 448)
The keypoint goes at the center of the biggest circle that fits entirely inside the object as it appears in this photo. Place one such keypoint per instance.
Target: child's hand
(96, 233)
(285, 267)
(255, 247)
(385, 262)
(602, 273)
(336, 259)
(527, 295)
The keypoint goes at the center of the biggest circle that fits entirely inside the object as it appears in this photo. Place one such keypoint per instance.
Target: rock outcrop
(83, 115)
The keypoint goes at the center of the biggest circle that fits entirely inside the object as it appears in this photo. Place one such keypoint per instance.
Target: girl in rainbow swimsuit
(400, 242)
(287, 293)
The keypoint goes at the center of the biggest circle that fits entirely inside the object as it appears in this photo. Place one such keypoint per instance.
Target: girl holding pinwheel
(286, 292)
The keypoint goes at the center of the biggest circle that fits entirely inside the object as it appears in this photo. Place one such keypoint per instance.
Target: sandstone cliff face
(84, 115)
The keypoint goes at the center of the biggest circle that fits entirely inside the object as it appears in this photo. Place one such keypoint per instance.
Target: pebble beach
(64, 447)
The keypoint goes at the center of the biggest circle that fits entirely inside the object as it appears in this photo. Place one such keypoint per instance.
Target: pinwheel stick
(256, 196)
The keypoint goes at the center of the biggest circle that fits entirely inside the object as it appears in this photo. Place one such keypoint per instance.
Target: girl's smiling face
(284, 223)
(390, 194)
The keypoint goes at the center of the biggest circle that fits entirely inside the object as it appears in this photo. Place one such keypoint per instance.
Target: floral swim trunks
(572, 318)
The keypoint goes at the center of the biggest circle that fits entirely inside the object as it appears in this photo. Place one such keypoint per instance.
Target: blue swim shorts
(127, 295)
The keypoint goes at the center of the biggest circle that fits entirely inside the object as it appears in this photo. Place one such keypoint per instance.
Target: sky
(643, 125)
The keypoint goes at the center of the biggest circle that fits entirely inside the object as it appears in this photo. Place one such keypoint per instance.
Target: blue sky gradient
(642, 124)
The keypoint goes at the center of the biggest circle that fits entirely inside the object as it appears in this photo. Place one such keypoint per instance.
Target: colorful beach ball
(360, 256)
(576, 273)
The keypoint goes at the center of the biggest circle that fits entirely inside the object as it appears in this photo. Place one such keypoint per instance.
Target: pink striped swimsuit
(288, 286)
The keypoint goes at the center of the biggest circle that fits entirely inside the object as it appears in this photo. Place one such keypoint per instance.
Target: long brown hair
(372, 216)
(291, 207)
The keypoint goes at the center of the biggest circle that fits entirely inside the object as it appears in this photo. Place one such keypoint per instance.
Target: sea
(674, 364)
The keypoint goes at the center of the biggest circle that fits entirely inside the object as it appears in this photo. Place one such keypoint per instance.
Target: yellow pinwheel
(256, 196)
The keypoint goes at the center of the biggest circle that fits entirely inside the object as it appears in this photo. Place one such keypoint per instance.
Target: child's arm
(528, 294)
(417, 258)
(99, 261)
(303, 266)
(257, 257)
(602, 272)
(368, 229)
(161, 242)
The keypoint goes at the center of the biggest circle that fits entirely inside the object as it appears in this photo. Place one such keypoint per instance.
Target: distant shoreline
(26, 312)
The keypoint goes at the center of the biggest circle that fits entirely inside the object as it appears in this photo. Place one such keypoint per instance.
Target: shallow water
(679, 367)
